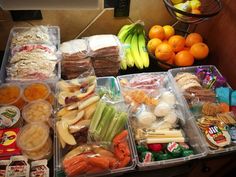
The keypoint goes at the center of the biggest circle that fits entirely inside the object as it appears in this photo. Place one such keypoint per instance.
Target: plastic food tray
(189, 127)
(55, 30)
(110, 83)
(172, 73)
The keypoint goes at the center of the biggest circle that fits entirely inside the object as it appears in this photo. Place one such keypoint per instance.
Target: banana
(123, 64)
(124, 32)
(143, 50)
(135, 51)
(128, 55)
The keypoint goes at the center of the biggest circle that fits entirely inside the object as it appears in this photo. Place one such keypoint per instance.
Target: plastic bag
(74, 50)
(104, 45)
(35, 35)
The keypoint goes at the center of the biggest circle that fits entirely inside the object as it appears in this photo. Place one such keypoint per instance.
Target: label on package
(39, 168)
(8, 146)
(9, 116)
(18, 167)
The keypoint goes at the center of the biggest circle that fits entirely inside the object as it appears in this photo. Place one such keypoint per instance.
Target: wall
(220, 35)
(77, 23)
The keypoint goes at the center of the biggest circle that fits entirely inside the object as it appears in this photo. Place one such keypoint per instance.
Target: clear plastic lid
(9, 93)
(36, 91)
(44, 153)
(37, 111)
(33, 136)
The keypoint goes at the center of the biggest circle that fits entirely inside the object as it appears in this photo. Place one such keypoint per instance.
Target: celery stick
(119, 126)
(107, 115)
(110, 128)
(96, 117)
(106, 122)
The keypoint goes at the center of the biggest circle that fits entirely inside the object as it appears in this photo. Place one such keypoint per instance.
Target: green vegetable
(119, 126)
(96, 117)
(116, 126)
(107, 116)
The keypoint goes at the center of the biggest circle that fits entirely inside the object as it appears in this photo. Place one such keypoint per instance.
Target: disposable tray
(110, 83)
(172, 73)
(55, 30)
(189, 127)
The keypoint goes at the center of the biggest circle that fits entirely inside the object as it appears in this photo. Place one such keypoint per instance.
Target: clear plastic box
(110, 83)
(55, 30)
(193, 135)
(172, 73)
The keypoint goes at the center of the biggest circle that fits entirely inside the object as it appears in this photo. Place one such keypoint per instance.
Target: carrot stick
(124, 162)
(100, 162)
(120, 137)
(77, 169)
(74, 160)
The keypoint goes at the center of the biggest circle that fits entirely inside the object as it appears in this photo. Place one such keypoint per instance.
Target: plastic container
(33, 136)
(44, 153)
(10, 117)
(55, 30)
(187, 125)
(110, 83)
(37, 111)
(172, 73)
(35, 91)
(11, 94)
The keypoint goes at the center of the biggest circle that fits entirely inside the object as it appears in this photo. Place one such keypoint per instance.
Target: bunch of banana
(133, 39)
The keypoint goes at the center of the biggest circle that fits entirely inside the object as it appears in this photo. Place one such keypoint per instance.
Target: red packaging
(8, 146)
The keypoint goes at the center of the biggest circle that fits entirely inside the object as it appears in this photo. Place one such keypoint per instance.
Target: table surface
(181, 170)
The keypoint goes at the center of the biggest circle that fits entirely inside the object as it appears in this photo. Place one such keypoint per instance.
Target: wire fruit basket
(208, 8)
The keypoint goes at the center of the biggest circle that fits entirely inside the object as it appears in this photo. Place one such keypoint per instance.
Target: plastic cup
(33, 136)
(36, 91)
(44, 153)
(11, 94)
(37, 111)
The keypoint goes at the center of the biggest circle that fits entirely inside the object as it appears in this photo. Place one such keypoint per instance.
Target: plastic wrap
(31, 54)
(104, 45)
(34, 35)
(106, 52)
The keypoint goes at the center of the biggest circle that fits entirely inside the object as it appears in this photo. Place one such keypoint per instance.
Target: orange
(177, 42)
(199, 50)
(184, 58)
(164, 52)
(169, 31)
(196, 11)
(170, 61)
(152, 45)
(156, 31)
(193, 38)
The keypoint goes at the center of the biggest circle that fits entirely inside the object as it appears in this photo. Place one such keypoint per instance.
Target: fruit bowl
(182, 12)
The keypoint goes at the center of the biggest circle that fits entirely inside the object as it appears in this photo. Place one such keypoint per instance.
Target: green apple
(195, 4)
(186, 7)
(177, 1)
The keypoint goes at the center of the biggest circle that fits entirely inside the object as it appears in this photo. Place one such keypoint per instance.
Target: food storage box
(172, 73)
(110, 83)
(54, 30)
(187, 125)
